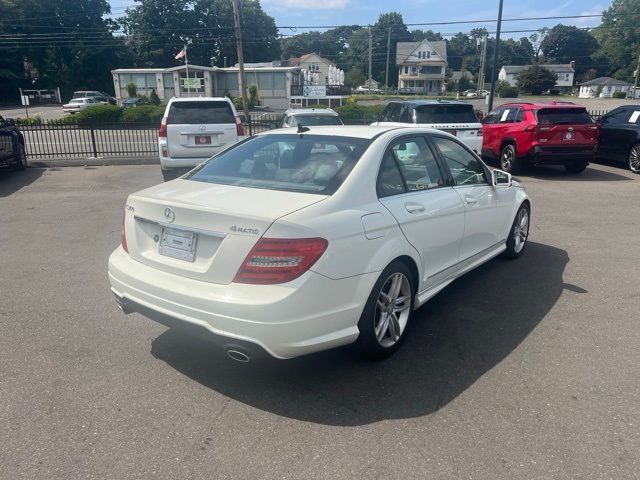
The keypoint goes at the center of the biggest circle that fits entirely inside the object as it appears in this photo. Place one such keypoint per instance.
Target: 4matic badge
(250, 231)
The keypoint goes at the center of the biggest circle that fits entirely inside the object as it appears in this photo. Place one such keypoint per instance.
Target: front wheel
(386, 314)
(519, 233)
(508, 159)
(576, 167)
(634, 158)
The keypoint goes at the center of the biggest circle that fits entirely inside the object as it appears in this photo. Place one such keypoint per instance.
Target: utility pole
(635, 82)
(369, 80)
(386, 75)
(496, 51)
(243, 84)
(483, 61)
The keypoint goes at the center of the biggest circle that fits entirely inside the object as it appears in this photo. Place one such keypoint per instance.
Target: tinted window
(290, 162)
(200, 112)
(465, 168)
(417, 163)
(394, 112)
(445, 114)
(311, 120)
(564, 116)
(390, 181)
(493, 117)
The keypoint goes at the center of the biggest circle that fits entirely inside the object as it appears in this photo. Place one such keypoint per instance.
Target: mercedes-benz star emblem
(169, 215)
(203, 127)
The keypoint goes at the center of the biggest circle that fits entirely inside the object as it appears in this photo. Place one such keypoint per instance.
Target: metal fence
(56, 139)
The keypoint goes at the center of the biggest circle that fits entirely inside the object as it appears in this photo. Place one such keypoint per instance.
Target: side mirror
(500, 178)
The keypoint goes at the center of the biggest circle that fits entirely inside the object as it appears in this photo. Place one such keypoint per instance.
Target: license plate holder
(202, 139)
(179, 244)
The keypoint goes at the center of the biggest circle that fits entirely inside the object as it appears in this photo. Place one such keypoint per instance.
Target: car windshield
(201, 112)
(445, 114)
(288, 162)
(314, 120)
(564, 116)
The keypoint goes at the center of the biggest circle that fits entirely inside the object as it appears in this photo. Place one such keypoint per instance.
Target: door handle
(414, 207)
(469, 200)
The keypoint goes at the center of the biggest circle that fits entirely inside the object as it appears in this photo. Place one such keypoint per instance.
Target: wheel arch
(413, 268)
(508, 141)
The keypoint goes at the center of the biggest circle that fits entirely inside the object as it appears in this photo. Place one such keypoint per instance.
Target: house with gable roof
(422, 66)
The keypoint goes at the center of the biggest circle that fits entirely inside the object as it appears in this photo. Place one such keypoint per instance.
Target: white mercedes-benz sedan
(295, 241)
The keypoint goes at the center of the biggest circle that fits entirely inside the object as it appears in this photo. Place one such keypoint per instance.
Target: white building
(604, 87)
(278, 87)
(565, 73)
(421, 66)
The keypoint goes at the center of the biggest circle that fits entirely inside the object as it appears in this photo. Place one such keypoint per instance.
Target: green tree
(354, 77)
(619, 39)
(131, 89)
(536, 79)
(387, 22)
(419, 35)
(565, 43)
(464, 83)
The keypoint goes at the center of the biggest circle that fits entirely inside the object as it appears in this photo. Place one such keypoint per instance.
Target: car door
(487, 208)
(412, 185)
(6, 146)
(490, 144)
(618, 132)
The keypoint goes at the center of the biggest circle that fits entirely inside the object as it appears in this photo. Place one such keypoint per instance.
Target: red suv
(556, 133)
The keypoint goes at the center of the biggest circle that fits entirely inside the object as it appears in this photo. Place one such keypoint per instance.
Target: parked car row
(86, 98)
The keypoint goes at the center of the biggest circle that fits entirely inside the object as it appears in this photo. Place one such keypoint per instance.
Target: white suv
(193, 130)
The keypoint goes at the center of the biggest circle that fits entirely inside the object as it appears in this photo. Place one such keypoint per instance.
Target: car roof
(538, 105)
(357, 131)
(418, 103)
(311, 111)
(199, 99)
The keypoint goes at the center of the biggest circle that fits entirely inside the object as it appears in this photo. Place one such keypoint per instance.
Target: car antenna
(302, 129)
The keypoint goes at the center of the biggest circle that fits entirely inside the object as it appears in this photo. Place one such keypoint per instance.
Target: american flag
(181, 53)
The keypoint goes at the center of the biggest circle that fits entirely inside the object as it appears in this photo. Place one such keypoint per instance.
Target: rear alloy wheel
(634, 158)
(387, 312)
(519, 233)
(508, 159)
(21, 164)
(576, 167)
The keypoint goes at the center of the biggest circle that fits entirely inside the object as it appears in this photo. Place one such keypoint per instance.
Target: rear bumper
(310, 314)
(550, 155)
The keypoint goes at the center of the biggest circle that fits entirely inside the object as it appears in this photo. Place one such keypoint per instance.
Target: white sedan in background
(295, 241)
(77, 104)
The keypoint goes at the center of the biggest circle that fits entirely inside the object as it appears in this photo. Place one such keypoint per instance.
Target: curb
(92, 162)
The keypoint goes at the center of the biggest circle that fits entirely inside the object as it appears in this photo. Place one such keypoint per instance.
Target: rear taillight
(162, 132)
(279, 260)
(239, 127)
(123, 238)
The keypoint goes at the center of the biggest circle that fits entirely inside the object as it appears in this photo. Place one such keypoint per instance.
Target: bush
(254, 98)
(619, 95)
(154, 99)
(131, 89)
(99, 113)
(143, 114)
(29, 121)
(352, 113)
(237, 102)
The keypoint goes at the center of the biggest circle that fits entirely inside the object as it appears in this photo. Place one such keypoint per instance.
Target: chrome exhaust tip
(238, 356)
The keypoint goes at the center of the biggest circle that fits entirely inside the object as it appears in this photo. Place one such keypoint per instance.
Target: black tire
(515, 249)
(368, 343)
(509, 159)
(633, 159)
(576, 167)
(21, 161)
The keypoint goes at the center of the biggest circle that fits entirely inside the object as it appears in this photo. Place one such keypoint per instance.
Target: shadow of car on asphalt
(11, 181)
(589, 175)
(462, 333)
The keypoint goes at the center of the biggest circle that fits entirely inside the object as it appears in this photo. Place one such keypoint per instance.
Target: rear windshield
(564, 116)
(313, 120)
(200, 112)
(289, 162)
(445, 114)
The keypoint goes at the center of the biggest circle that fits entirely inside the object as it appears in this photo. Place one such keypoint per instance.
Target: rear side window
(200, 112)
(564, 116)
(445, 114)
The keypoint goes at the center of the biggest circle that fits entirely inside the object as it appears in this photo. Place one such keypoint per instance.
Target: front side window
(465, 168)
(315, 164)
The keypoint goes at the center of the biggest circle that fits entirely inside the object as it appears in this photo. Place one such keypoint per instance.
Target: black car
(12, 152)
(620, 136)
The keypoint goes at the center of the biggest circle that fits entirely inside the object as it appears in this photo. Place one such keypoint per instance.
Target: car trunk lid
(566, 126)
(201, 230)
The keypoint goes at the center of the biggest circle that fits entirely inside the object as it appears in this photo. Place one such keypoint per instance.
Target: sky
(297, 13)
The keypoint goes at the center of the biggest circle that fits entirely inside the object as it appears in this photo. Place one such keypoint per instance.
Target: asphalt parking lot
(527, 369)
